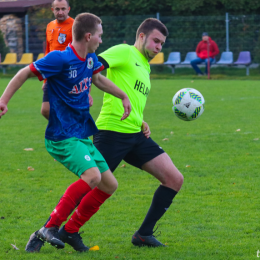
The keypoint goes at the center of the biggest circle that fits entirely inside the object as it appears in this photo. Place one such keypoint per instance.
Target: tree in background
(186, 20)
(173, 7)
(151, 7)
(3, 48)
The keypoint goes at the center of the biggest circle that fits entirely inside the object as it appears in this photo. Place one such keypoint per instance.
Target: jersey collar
(140, 54)
(73, 49)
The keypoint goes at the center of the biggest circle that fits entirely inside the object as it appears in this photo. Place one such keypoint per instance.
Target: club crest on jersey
(90, 63)
(62, 38)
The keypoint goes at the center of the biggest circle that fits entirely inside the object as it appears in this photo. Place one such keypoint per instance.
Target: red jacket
(202, 49)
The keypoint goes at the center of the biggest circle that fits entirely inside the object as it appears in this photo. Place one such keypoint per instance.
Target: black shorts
(45, 92)
(135, 148)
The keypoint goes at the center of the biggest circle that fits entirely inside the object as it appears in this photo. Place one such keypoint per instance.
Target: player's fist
(90, 100)
(3, 108)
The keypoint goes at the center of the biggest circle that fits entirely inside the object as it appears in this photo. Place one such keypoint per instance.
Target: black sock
(162, 200)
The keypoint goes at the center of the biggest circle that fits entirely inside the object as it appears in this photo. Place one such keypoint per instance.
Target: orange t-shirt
(58, 35)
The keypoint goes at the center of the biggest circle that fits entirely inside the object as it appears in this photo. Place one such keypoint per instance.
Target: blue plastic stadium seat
(226, 58)
(189, 57)
(244, 58)
(173, 59)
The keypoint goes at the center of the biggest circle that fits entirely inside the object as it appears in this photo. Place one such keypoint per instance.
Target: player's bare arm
(13, 86)
(108, 86)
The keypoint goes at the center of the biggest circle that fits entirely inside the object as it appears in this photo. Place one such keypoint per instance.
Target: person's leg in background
(194, 63)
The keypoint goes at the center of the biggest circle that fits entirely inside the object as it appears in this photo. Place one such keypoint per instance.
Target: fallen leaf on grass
(122, 166)
(165, 139)
(187, 166)
(94, 248)
(172, 132)
(14, 246)
(192, 81)
(28, 149)
(30, 168)
(256, 139)
(238, 130)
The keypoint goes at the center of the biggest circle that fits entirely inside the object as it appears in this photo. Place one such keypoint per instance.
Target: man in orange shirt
(58, 36)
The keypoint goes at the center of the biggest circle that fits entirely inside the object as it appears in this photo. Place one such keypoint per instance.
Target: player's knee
(180, 179)
(113, 186)
(175, 181)
(108, 186)
(91, 177)
(45, 112)
(95, 179)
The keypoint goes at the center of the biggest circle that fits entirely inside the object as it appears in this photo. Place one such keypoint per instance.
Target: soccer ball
(188, 104)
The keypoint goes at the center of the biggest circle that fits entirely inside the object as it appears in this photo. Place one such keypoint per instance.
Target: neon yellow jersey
(130, 71)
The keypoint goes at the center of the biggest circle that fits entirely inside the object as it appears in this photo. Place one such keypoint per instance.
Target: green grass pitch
(215, 216)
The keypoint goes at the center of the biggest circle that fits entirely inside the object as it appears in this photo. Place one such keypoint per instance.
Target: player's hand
(3, 108)
(146, 129)
(127, 107)
(90, 100)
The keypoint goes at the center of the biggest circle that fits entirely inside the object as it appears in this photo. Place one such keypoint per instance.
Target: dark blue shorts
(45, 92)
(135, 148)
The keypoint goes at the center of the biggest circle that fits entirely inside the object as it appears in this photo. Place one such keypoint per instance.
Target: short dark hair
(60, 1)
(84, 23)
(148, 25)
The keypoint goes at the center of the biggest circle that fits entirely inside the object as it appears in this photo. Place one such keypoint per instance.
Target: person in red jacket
(206, 48)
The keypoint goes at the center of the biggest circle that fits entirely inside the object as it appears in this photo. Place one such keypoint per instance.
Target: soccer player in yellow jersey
(129, 140)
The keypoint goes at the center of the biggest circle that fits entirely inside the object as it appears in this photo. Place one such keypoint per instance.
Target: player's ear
(52, 9)
(87, 37)
(141, 36)
(69, 9)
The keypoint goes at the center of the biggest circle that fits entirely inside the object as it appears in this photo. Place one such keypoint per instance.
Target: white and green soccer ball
(188, 104)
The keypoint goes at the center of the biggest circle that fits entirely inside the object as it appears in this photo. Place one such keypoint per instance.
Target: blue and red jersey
(69, 79)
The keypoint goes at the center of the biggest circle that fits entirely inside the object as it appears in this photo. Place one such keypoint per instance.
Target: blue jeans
(194, 63)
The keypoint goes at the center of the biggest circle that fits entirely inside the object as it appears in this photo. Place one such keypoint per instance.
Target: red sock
(69, 201)
(88, 206)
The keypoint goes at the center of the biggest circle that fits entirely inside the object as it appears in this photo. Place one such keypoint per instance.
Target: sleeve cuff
(36, 72)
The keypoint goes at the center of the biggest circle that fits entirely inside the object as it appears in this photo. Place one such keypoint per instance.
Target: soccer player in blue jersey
(70, 74)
